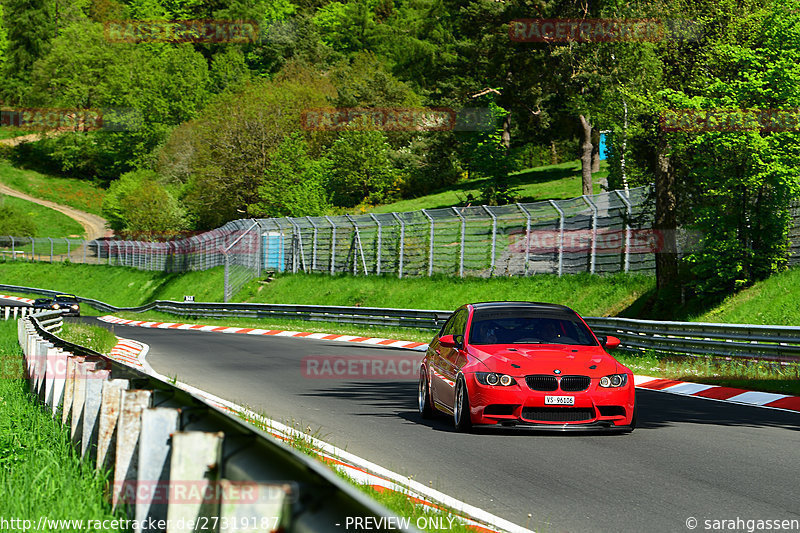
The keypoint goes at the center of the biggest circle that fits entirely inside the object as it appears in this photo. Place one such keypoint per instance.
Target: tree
(360, 169)
(294, 182)
(28, 39)
(139, 206)
(231, 147)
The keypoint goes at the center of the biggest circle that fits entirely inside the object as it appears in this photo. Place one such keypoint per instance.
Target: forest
(204, 108)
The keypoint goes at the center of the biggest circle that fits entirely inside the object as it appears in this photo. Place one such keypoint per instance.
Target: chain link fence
(603, 233)
(600, 234)
(794, 236)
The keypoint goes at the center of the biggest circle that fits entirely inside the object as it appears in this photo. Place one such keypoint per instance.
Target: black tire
(424, 396)
(461, 411)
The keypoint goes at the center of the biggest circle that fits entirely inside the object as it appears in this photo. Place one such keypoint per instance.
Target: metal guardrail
(775, 343)
(166, 446)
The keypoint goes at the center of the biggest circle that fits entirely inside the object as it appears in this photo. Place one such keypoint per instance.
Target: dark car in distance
(68, 304)
(43, 304)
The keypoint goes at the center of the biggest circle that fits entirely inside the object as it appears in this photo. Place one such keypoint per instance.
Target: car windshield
(526, 326)
(65, 298)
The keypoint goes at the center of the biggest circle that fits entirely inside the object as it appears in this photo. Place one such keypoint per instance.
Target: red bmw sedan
(525, 364)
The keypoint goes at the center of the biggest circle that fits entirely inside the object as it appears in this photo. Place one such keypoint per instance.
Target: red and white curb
(16, 298)
(716, 392)
(393, 343)
(129, 352)
(134, 353)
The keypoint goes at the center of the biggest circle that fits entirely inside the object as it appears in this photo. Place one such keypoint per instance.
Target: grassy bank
(40, 473)
(772, 301)
(80, 194)
(589, 295)
(551, 182)
(49, 222)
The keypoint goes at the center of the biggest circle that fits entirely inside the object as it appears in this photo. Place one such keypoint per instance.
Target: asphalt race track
(689, 457)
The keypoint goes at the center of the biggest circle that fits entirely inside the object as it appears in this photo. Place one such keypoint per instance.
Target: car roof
(537, 306)
(66, 296)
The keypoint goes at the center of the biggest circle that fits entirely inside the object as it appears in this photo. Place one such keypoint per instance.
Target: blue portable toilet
(603, 148)
(273, 251)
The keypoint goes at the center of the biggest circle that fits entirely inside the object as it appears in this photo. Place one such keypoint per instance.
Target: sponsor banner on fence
(728, 120)
(397, 119)
(181, 31)
(602, 241)
(602, 30)
(394, 367)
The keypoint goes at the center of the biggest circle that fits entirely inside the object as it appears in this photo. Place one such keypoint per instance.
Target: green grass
(93, 337)
(589, 295)
(80, 194)
(772, 301)
(49, 222)
(551, 182)
(10, 132)
(40, 473)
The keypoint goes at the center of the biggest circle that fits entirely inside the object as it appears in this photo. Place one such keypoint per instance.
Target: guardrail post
(91, 411)
(13, 250)
(629, 210)
(463, 236)
(333, 244)
(57, 369)
(158, 424)
(196, 457)
(313, 244)
(380, 244)
(430, 243)
(69, 380)
(560, 236)
(133, 402)
(593, 207)
(527, 235)
(402, 243)
(82, 375)
(494, 239)
(271, 502)
(108, 424)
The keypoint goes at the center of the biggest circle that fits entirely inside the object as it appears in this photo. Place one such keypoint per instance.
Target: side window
(460, 323)
(455, 325)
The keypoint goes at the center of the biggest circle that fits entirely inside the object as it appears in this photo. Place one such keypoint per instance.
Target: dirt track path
(93, 225)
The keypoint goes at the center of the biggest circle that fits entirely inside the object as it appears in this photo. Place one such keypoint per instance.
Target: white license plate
(559, 400)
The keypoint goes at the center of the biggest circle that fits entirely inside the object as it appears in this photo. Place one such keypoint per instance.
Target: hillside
(550, 182)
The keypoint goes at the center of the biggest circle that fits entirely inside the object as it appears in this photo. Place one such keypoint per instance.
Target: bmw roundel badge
(556, 371)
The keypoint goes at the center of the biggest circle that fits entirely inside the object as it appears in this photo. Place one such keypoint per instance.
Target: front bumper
(518, 405)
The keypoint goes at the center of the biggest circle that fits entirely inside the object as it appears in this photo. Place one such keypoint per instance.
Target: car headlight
(494, 379)
(75, 306)
(614, 380)
(56, 306)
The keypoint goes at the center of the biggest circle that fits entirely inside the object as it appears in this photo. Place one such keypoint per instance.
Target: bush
(16, 222)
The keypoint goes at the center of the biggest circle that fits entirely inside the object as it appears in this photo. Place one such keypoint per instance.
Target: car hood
(521, 360)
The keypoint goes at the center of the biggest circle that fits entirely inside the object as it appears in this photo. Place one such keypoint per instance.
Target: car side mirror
(610, 342)
(448, 341)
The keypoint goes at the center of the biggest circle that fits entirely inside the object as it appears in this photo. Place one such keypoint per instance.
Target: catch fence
(600, 234)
